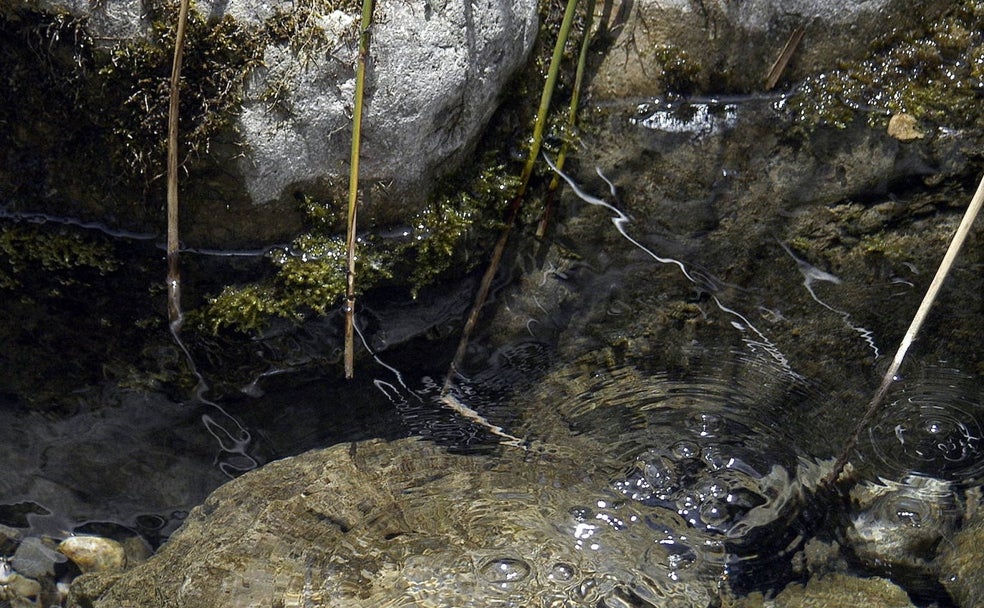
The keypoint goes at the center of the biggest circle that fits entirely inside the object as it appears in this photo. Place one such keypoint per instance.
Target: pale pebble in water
(94, 553)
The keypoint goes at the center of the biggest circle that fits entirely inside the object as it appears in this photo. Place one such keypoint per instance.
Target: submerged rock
(836, 591)
(94, 553)
(684, 46)
(900, 525)
(405, 523)
(959, 563)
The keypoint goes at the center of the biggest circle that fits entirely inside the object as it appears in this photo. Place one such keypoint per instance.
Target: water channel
(694, 370)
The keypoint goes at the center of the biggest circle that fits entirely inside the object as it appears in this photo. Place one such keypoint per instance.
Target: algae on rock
(933, 73)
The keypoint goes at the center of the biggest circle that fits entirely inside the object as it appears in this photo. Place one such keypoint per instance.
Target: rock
(376, 523)
(36, 557)
(94, 553)
(904, 127)
(683, 45)
(835, 591)
(16, 588)
(435, 74)
(899, 525)
(435, 77)
(959, 563)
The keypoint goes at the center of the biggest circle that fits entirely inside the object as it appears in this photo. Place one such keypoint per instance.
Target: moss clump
(29, 251)
(135, 79)
(935, 74)
(309, 275)
(681, 72)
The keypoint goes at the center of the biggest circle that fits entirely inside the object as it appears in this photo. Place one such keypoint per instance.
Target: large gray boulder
(435, 74)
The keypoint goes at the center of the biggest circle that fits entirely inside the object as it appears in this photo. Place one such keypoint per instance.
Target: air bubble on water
(685, 450)
(704, 425)
(505, 573)
(561, 572)
(909, 518)
(713, 513)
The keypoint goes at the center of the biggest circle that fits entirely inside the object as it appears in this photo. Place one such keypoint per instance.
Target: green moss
(132, 77)
(29, 251)
(135, 79)
(681, 72)
(309, 275)
(934, 74)
(299, 26)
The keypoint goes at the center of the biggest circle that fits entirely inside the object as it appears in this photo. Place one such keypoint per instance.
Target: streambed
(679, 379)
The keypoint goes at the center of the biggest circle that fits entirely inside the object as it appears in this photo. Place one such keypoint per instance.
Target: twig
(173, 271)
(360, 83)
(910, 335)
(783, 60)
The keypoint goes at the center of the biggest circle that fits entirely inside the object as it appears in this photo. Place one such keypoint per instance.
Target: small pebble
(94, 553)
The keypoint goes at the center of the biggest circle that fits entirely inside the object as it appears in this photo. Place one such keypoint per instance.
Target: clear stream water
(720, 444)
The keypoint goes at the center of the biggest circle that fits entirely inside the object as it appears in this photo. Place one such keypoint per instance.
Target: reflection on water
(704, 456)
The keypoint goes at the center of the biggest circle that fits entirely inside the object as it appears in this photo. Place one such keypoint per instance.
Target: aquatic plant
(173, 273)
(32, 251)
(353, 199)
(135, 78)
(933, 74)
(572, 109)
(517, 202)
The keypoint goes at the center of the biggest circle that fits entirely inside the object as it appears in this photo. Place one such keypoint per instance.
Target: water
(682, 383)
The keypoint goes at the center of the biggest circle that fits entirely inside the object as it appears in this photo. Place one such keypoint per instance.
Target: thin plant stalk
(910, 335)
(173, 270)
(582, 60)
(353, 199)
(517, 202)
(545, 96)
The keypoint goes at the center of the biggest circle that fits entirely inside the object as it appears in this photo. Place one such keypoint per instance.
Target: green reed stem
(910, 335)
(582, 60)
(173, 270)
(517, 202)
(546, 95)
(353, 199)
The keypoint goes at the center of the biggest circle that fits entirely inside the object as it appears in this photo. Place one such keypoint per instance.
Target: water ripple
(932, 426)
(709, 464)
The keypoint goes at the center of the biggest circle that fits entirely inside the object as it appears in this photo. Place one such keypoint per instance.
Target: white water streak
(235, 441)
(810, 274)
(620, 220)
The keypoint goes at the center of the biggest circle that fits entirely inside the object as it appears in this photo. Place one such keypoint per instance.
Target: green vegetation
(134, 80)
(681, 72)
(61, 83)
(934, 74)
(310, 274)
(31, 251)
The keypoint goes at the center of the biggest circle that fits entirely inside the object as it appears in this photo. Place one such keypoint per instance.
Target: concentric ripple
(709, 461)
(932, 426)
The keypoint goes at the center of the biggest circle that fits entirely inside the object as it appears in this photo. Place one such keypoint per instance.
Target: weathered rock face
(435, 74)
